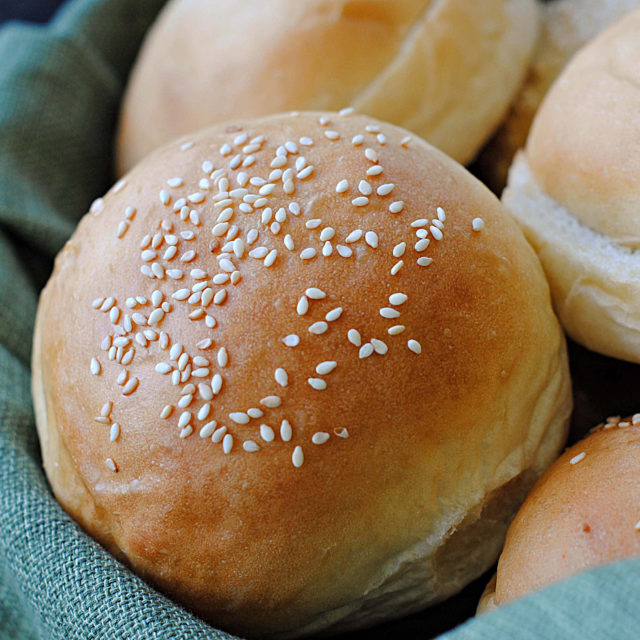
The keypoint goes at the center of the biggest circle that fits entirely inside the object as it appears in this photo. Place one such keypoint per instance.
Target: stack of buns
(575, 191)
(299, 372)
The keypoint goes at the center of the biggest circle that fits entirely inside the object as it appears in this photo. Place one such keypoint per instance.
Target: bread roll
(332, 362)
(576, 192)
(566, 25)
(447, 70)
(584, 512)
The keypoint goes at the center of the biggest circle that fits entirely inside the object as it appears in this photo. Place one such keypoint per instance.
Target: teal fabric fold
(60, 88)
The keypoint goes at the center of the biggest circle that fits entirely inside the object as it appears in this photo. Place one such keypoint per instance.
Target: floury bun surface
(576, 192)
(445, 69)
(298, 372)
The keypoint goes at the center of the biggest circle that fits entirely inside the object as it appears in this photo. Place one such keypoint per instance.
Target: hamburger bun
(584, 512)
(575, 192)
(447, 70)
(566, 25)
(298, 372)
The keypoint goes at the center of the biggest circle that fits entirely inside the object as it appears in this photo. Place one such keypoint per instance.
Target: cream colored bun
(446, 69)
(576, 193)
(331, 391)
(566, 25)
(584, 512)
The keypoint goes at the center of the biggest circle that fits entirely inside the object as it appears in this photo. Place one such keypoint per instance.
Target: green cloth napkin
(60, 86)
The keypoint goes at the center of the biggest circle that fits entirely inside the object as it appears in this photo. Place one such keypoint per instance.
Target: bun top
(267, 348)
(582, 513)
(583, 148)
(446, 70)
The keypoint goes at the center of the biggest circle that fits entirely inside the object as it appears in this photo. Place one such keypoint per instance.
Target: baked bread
(575, 192)
(447, 70)
(566, 26)
(584, 512)
(299, 372)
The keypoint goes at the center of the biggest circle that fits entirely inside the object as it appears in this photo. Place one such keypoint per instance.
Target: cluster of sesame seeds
(248, 215)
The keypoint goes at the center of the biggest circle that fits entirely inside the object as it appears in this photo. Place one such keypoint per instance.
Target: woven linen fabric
(60, 87)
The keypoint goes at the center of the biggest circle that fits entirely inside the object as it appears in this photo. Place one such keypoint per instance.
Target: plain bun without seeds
(298, 372)
(445, 69)
(575, 191)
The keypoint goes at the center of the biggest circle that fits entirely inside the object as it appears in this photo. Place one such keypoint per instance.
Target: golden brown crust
(583, 147)
(566, 25)
(247, 539)
(446, 69)
(582, 513)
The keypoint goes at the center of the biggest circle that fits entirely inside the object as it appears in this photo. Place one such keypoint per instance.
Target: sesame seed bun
(446, 70)
(584, 512)
(328, 402)
(575, 192)
(566, 26)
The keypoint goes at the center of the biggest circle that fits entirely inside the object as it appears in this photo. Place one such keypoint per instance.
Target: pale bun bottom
(595, 282)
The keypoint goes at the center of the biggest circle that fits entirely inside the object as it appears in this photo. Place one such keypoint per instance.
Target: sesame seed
(271, 401)
(101, 420)
(239, 417)
(320, 437)
(315, 293)
(218, 434)
(342, 186)
(186, 432)
(98, 302)
(397, 298)
(379, 346)
(305, 173)
(414, 346)
(318, 328)
(421, 245)
(240, 139)
(106, 343)
(107, 304)
(438, 223)
(365, 350)
(381, 138)
(405, 141)
(129, 213)
(371, 238)
(396, 267)
(130, 387)
(175, 274)
(370, 155)
(297, 457)
(288, 242)
(97, 206)
(163, 367)
(436, 233)
(317, 383)
(376, 170)
(385, 189)
(323, 121)
(106, 409)
(95, 366)
(259, 253)
(424, 262)
(155, 317)
(334, 314)
(185, 419)
(399, 249)
(314, 223)
(111, 464)
(222, 357)
(441, 214)
(327, 249)
(327, 233)
(226, 265)
(164, 196)
(188, 256)
(303, 306)
(122, 228)
(281, 376)
(114, 432)
(578, 458)
(216, 383)
(396, 207)
(332, 135)
(364, 188)
(326, 367)
(347, 111)
(354, 236)
(360, 201)
(285, 431)
(353, 335)
(208, 429)
(635, 419)
(477, 224)
(305, 141)
(227, 443)
(308, 253)
(291, 340)
(344, 251)
(396, 329)
(271, 258)
(357, 140)
(291, 146)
